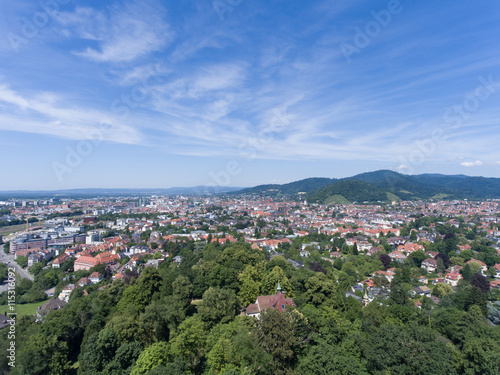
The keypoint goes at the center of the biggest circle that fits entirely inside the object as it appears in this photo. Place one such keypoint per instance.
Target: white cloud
(141, 74)
(48, 114)
(123, 35)
(471, 163)
(85, 23)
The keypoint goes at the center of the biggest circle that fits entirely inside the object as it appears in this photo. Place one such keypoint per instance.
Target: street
(9, 260)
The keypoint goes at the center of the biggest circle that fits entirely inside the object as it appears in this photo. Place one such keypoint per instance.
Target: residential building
(276, 302)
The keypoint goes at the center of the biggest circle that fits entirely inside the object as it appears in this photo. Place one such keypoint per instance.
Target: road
(4, 258)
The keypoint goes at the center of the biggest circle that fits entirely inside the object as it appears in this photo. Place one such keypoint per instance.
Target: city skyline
(158, 95)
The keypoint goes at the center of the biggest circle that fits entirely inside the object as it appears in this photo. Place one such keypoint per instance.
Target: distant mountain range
(385, 185)
(90, 193)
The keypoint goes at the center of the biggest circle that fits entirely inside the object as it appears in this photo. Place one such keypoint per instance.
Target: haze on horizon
(132, 95)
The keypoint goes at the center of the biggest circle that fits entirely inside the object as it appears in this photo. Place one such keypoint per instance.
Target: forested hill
(307, 185)
(186, 319)
(386, 185)
(347, 191)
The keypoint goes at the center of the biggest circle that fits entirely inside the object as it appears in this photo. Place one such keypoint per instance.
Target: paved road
(4, 258)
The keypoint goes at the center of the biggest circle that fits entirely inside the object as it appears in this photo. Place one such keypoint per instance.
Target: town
(65, 249)
(118, 236)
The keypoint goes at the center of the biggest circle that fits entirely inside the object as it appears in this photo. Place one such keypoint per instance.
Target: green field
(12, 229)
(440, 196)
(337, 198)
(391, 197)
(23, 309)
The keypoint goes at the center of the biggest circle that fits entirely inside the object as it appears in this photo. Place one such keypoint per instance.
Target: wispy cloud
(49, 114)
(124, 34)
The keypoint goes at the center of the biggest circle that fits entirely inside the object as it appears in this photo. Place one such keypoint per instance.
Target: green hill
(386, 185)
(350, 190)
(307, 185)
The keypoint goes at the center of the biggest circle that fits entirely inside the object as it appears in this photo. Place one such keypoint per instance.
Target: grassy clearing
(337, 198)
(406, 192)
(12, 228)
(392, 198)
(23, 309)
(439, 196)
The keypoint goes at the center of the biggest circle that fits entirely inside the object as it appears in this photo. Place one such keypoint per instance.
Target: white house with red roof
(397, 256)
(495, 284)
(429, 265)
(453, 278)
(275, 302)
(95, 277)
(60, 260)
(409, 248)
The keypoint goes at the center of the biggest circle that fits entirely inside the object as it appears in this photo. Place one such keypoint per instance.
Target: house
(429, 265)
(85, 262)
(423, 280)
(422, 290)
(397, 256)
(255, 247)
(95, 277)
(483, 266)
(50, 292)
(364, 246)
(495, 284)
(275, 302)
(52, 304)
(118, 276)
(296, 263)
(84, 281)
(464, 247)
(107, 257)
(497, 268)
(304, 253)
(368, 282)
(60, 260)
(66, 292)
(35, 258)
(389, 275)
(453, 278)
(374, 250)
(153, 263)
(312, 245)
(4, 321)
(396, 241)
(409, 248)
(432, 254)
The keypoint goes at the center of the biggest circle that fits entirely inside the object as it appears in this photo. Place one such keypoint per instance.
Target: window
(283, 307)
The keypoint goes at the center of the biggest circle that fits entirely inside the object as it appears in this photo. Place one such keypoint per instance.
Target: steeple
(278, 289)
(366, 300)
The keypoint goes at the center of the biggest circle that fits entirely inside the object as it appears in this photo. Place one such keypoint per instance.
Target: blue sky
(236, 92)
